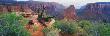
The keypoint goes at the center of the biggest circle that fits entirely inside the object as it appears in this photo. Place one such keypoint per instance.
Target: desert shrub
(12, 25)
(87, 27)
(85, 24)
(103, 29)
(66, 27)
(51, 31)
(94, 29)
(35, 27)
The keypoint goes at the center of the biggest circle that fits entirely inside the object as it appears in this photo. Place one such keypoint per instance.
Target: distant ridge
(52, 8)
(102, 2)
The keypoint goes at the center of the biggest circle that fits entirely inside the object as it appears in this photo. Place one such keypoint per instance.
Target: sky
(76, 3)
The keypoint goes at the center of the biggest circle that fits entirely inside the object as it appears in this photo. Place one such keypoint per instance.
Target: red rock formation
(70, 13)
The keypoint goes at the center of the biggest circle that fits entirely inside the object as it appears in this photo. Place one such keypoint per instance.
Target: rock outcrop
(38, 25)
(70, 13)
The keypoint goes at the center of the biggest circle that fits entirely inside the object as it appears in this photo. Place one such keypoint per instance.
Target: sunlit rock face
(97, 11)
(51, 8)
(70, 13)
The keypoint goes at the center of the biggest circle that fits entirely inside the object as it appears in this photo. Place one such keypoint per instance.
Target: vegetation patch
(12, 25)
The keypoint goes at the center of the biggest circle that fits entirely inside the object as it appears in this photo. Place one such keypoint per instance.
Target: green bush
(103, 29)
(85, 24)
(94, 29)
(87, 27)
(66, 27)
(12, 25)
(51, 31)
(35, 27)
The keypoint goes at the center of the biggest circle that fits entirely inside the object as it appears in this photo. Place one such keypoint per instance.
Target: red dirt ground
(37, 32)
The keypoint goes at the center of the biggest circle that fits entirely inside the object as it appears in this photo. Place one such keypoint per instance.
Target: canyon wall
(97, 11)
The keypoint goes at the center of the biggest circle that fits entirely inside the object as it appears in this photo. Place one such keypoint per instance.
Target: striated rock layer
(97, 11)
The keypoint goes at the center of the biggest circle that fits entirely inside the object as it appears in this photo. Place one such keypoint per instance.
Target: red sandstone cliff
(70, 13)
